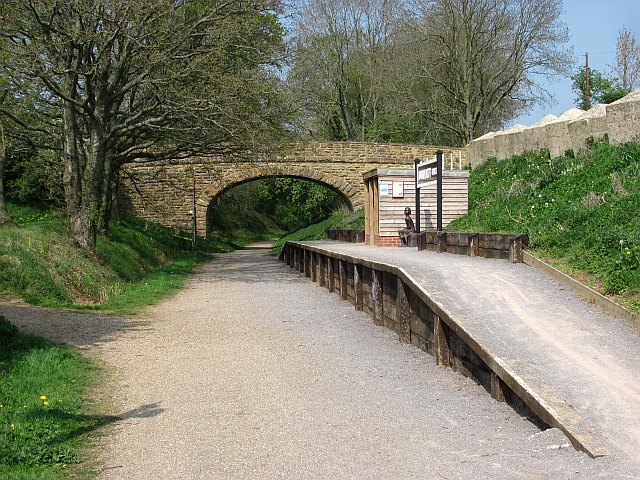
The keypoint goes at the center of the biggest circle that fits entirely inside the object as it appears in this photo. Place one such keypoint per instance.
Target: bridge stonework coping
(165, 192)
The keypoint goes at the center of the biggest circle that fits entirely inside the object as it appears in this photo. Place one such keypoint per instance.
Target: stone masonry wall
(619, 121)
(165, 192)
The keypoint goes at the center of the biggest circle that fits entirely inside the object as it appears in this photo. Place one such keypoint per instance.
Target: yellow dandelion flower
(45, 403)
(43, 397)
(13, 426)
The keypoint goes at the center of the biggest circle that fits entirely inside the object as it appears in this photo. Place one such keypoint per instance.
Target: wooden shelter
(389, 191)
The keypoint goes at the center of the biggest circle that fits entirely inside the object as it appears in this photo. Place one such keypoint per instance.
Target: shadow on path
(83, 330)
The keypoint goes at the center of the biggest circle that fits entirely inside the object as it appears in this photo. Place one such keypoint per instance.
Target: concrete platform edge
(583, 291)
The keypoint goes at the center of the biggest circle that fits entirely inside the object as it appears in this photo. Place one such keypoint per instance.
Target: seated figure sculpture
(404, 233)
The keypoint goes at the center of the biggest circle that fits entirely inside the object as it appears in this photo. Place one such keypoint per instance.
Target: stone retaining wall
(618, 121)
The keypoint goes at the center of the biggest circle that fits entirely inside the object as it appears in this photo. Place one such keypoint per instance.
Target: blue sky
(593, 27)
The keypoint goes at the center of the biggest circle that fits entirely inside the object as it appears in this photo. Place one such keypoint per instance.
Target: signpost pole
(416, 162)
(439, 188)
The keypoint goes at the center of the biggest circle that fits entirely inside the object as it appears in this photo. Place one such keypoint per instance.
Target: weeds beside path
(50, 406)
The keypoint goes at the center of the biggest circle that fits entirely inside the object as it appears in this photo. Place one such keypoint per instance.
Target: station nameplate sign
(427, 173)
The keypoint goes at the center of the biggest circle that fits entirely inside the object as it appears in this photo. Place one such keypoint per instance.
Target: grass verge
(45, 417)
(582, 213)
(341, 218)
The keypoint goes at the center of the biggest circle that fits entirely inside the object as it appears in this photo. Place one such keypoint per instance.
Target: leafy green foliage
(295, 203)
(34, 177)
(601, 88)
(266, 208)
(340, 219)
(240, 213)
(582, 211)
(44, 418)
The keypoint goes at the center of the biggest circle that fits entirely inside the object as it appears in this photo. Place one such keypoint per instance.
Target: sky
(593, 27)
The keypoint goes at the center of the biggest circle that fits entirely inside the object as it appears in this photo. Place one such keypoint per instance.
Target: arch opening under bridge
(215, 191)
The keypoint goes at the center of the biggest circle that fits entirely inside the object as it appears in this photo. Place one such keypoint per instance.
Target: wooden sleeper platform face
(396, 301)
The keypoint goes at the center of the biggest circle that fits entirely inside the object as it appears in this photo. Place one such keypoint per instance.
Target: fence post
(474, 244)
(441, 242)
(516, 247)
(331, 279)
(441, 343)
(403, 312)
(376, 293)
(343, 280)
(357, 287)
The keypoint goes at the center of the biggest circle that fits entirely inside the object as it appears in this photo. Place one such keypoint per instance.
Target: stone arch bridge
(170, 192)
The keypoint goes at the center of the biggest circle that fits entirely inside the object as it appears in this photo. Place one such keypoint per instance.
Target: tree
(626, 71)
(340, 60)
(5, 218)
(113, 82)
(437, 71)
(601, 88)
(479, 59)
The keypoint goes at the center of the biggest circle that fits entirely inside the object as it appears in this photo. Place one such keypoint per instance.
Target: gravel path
(252, 371)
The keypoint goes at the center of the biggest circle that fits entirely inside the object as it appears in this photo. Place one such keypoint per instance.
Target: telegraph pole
(586, 82)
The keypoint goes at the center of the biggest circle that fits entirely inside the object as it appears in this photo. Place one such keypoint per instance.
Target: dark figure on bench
(410, 228)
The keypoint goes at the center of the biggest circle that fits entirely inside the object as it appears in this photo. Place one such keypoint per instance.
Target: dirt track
(252, 371)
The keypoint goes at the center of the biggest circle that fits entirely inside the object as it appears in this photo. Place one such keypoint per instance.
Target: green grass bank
(340, 219)
(582, 213)
(135, 264)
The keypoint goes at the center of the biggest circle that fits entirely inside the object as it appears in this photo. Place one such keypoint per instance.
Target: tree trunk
(74, 167)
(114, 207)
(5, 218)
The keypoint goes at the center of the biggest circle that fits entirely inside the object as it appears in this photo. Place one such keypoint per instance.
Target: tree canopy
(445, 70)
(107, 82)
(602, 89)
